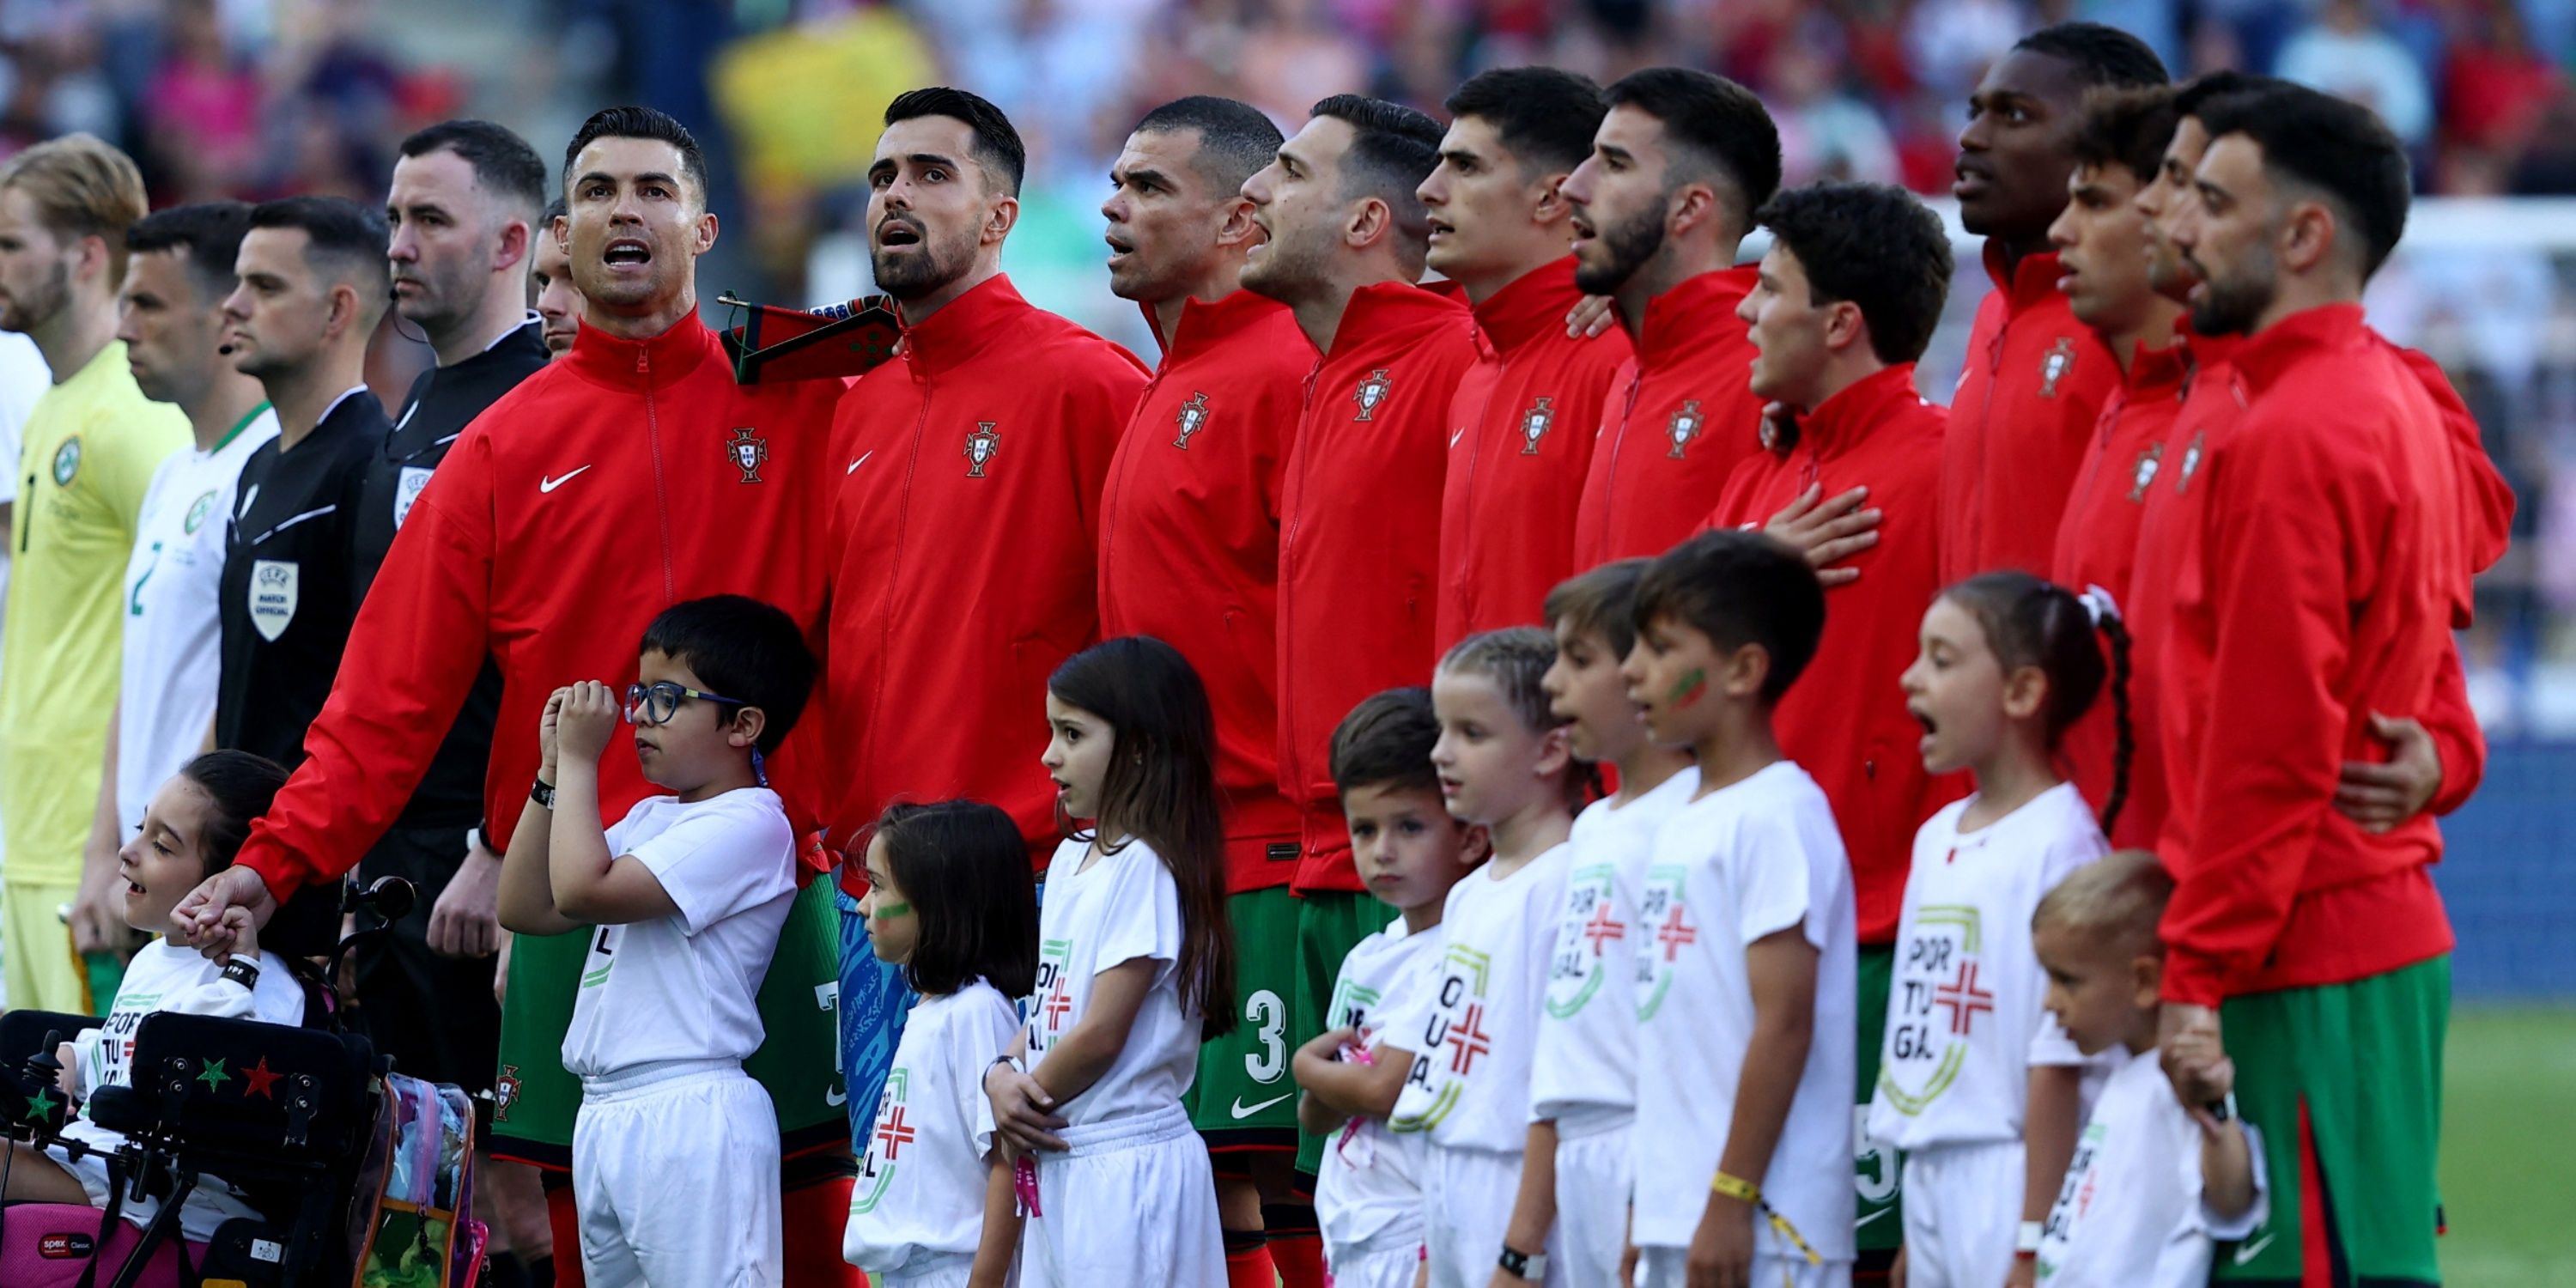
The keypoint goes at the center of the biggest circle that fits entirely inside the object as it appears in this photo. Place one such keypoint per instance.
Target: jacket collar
(1383, 307)
(2156, 373)
(1205, 326)
(633, 364)
(2266, 355)
(1533, 305)
(970, 324)
(1680, 321)
(1864, 404)
(2033, 281)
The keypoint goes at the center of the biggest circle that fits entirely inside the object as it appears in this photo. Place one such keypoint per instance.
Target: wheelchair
(285, 1115)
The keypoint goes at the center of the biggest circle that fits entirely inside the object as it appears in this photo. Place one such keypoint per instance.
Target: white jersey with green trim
(1370, 1181)
(1472, 1035)
(1964, 1024)
(1735, 866)
(919, 1194)
(1587, 1033)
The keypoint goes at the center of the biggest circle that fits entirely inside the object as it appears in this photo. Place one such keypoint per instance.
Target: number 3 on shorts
(1269, 1015)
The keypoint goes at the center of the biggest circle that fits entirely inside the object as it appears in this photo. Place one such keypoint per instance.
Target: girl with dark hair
(191, 829)
(1976, 1084)
(949, 902)
(1136, 966)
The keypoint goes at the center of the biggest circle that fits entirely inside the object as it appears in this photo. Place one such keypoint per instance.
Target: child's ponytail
(2124, 741)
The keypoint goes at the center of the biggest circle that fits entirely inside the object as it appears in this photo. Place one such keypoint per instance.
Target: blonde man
(88, 451)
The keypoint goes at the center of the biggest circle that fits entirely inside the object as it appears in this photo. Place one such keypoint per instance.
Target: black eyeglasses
(653, 704)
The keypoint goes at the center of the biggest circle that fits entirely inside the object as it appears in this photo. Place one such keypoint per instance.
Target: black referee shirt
(442, 402)
(286, 606)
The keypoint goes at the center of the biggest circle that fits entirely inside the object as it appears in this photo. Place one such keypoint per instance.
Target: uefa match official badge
(748, 453)
(1535, 423)
(1192, 418)
(2053, 368)
(980, 446)
(1371, 394)
(1684, 427)
(2144, 472)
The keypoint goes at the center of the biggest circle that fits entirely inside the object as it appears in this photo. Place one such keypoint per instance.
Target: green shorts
(799, 1064)
(1879, 1225)
(2345, 1081)
(1244, 1099)
(1329, 924)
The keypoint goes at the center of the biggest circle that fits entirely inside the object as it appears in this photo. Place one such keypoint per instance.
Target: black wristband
(483, 837)
(242, 971)
(543, 794)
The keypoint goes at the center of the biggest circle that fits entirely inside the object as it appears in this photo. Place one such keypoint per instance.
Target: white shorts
(1132, 1201)
(1384, 1262)
(1669, 1267)
(1592, 1171)
(936, 1270)
(675, 1177)
(1467, 1198)
(1962, 1210)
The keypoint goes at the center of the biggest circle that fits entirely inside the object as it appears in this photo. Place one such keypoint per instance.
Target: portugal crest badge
(980, 446)
(1684, 428)
(1192, 418)
(1534, 424)
(2144, 472)
(748, 452)
(1371, 394)
(2053, 368)
(505, 1093)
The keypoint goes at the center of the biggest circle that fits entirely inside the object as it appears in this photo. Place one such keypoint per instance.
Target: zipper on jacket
(661, 494)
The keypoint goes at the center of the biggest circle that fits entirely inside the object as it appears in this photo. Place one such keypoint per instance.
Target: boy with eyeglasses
(688, 893)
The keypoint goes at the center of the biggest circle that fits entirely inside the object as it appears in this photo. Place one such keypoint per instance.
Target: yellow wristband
(1737, 1188)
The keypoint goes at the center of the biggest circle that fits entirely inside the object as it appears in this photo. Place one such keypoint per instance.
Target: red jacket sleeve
(2456, 735)
(2280, 597)
(418, 643)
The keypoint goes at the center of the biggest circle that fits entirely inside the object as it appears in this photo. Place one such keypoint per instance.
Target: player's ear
(704, 235)
(1844, 325)
(1370, 220)
(1552, 205)
(1238, 228)
(1002, 218)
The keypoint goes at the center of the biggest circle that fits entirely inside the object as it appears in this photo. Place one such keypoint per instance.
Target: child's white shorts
(1667, 1268)
(1131, 1202)
(675, 1175)
(1466, 1205)
(1962, 1209)
(1593, 1162)
(1387, 1261)
(934, 1270)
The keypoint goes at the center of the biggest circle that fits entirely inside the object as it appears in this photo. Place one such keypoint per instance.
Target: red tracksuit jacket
(1521, 430)
(1669, 442)
(602, 490)
(2322, 556)
(1359, 540)
(1844, 721)
(1189, 545)
(2027, 404)
(2097, 545)
(964, 535)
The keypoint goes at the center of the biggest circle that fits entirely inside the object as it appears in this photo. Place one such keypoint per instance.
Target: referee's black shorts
(434, 1015)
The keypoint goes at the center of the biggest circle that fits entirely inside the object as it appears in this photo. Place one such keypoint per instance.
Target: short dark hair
(2331, 146)
(555, 209)
(1545, 115)
(1386, 741)
(2129, 128)
(743, 649)
(2100, 55)
(1738, 588)
(241, 786)
(964, 868)
(2191, 94)
(631, 122)
(1393, 149)
(1719, 125)
(1602, 599)
(206, 234)
(1875, 245)
(998, 150)
(1516, 659)
(502, 162)
(351, 234)
(1236, 140)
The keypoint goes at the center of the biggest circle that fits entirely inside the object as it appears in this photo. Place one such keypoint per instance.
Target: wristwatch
(242, 971)
(1531, 1266)
(543, 794)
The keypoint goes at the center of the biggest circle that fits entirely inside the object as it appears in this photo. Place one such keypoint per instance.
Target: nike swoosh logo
(549, 485)
(2245, 1253)
(1243, 1111)
(854, 465)
(1871, 1217)
(1453, 438)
